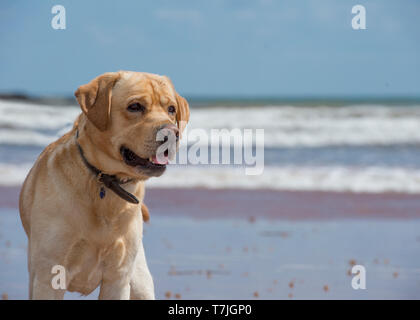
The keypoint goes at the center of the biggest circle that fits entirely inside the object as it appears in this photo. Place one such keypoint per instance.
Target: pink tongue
(156, 161)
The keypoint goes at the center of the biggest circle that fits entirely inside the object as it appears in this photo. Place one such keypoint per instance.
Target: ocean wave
(26, 138)
(335, 178)
(25, 116)
(288, 126)
(284, 126)
(339, 179)
(13, 174)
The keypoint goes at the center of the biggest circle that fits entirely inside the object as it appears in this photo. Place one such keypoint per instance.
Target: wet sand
(246, 244)
(267, 204)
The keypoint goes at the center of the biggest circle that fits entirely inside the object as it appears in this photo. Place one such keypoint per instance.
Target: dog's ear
(183, 113)
(95, 99)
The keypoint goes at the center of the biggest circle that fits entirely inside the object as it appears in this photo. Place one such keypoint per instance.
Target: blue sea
(355, 147)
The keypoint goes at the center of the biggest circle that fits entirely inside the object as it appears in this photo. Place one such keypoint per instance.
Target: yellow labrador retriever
(81, 204)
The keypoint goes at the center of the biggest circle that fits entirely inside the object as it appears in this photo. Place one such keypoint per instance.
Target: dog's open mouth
(132, 159)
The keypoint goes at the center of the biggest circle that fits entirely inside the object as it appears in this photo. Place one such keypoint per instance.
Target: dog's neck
(107, 180)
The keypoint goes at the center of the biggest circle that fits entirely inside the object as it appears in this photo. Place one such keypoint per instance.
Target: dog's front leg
(119, 289)
(41, 287)
(141, 280)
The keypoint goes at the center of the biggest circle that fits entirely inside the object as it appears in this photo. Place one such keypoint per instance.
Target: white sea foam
(336, 178)
(34, 116)
(13, 174)
(341, 179)
(33, 124)
(284, 126)
(288, 126)
(26, 137)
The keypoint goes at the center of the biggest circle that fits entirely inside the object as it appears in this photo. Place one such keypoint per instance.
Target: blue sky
(215, 48)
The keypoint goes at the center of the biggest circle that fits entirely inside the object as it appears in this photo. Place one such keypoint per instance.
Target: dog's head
(135, 118)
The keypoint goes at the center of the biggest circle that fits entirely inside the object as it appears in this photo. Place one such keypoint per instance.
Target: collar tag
(102, 193)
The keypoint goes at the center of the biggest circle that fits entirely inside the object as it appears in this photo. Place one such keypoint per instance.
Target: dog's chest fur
(106, 253)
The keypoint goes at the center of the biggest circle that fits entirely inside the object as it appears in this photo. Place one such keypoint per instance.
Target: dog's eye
(136, 107)
(171, 109)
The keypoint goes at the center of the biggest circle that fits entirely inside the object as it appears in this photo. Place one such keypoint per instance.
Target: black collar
(109, 181)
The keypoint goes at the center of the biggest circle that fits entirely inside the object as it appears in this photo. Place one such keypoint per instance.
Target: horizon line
(246, 99)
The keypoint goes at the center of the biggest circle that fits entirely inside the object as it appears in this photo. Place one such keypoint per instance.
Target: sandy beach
(244, 244)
